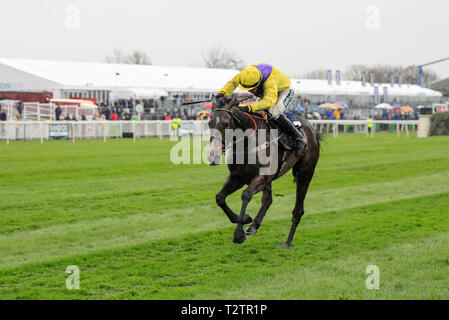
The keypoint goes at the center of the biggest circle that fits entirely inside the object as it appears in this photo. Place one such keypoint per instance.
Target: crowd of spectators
(168, 109)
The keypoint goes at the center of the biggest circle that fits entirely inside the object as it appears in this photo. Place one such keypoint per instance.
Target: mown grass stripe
(207, 264)
(403, 275)
(111, 232)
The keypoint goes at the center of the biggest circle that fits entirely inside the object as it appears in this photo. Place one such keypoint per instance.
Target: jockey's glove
(245, 108)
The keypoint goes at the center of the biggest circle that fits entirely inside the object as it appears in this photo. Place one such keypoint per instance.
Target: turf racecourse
(139, 227)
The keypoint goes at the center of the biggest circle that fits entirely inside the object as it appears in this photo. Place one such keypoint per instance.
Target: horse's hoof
(239, 239)
(250, 230)
(286, 246)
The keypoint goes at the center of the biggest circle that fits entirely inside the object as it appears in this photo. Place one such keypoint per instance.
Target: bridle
(251, 117)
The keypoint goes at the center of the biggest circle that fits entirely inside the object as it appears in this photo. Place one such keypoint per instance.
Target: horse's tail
(319, 139)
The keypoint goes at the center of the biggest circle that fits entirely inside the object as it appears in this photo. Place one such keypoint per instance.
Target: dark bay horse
(226, 117)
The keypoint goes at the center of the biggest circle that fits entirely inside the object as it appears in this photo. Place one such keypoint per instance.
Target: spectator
(336, 114)
(107, 113)
(58, 112)
(83, 117)
(114, 117)
(67, 118)
(118, 112)
(176, 125)
(3, 116)
(20, 108)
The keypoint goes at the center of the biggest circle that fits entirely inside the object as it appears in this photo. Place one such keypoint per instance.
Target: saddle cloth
(286, 140)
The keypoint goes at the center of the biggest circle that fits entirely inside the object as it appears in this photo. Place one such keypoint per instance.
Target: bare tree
(313, 74)
(382, 73)
(135, 57)
(139, 57)
(118, 56)
(223, 58)
(411, 74)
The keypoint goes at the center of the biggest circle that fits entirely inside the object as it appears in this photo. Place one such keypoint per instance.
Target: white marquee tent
(140, 81)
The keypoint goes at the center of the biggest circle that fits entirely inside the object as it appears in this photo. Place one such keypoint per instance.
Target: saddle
(285, 140)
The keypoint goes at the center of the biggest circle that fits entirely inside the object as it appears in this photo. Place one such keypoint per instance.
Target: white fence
(364, 126)
(41, 111)
(75, 130)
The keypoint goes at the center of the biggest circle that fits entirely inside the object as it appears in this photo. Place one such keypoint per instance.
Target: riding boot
(288, 127)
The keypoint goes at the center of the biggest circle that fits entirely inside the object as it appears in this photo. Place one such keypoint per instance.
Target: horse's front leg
(256, 185)
(267, 200)
(231, 185)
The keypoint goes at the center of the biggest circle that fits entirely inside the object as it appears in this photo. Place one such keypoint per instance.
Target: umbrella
(338, 106)
(208, 105)
(407, 109)
(203, 114)
(343, 104)
(383, 106)
(327, 106)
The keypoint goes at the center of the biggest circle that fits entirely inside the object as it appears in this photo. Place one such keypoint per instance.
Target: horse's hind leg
(231, 185)
(267, 199)
(302, 184)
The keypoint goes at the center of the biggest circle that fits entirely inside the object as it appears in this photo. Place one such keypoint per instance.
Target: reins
(251, 117)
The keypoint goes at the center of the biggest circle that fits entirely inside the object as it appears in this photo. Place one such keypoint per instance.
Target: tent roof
(442, 86)
(135, 78)
(139, 93)
(109, 76)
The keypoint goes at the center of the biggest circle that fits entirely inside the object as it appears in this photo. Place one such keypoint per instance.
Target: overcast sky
(297, 36)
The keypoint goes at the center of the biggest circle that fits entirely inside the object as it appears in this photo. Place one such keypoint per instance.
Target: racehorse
(226, 117)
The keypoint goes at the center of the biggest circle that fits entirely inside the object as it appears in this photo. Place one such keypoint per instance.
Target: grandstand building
(109, 82)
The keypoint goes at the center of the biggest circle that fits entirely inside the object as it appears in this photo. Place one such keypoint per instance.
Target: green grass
(139, 227)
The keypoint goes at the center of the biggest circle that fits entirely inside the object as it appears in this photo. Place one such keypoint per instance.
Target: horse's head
(222, 119)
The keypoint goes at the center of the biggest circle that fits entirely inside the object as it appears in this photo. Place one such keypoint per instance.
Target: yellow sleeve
(229, 88)
(270, 96)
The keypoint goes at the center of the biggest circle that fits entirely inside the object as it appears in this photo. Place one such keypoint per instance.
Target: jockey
(272, 87)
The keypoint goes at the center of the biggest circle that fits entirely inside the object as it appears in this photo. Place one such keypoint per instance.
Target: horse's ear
(232, 102)
(215, 103)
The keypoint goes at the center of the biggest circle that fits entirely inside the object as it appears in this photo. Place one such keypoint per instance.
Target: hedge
(439, 124)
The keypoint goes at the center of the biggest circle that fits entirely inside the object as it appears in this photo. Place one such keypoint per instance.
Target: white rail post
(73, 132)
(104, 130)
(42, 132)
(7, 133)
(398, 129)
(38, 112)
(134, 131)
(373, 128)
(406, 130)
(159, 129)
